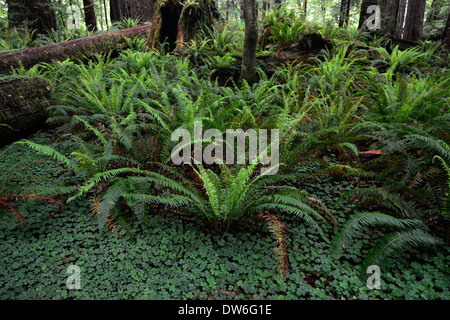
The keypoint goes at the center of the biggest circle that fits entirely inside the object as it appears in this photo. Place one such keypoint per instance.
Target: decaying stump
(23, 105)
(73, 49)
(178, 21)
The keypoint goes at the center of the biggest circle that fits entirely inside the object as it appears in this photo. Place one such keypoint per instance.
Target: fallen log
(74, 49)
(23, 105)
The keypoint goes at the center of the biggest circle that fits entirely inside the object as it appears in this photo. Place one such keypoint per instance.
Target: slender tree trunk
(414, 20)
(248, 71)
(435, 10)
(89, 15)
(106, 13)
(344, 12)
(73, 13)
(446, 35)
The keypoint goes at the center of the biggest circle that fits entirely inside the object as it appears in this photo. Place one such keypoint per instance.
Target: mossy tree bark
(23, 105)
(178, 21)
(74, 49)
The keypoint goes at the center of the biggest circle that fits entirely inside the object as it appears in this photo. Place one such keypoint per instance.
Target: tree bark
(118, 10)
(363, 14)
(435, 11)
(89, 15)
(23, 105)
(446, 35)
(134, 9)
(389, 16)
(414, 20)
(344, 12)
(74, 49)
(400, 19)
(248, 71)
(36, 15)
(178, 21)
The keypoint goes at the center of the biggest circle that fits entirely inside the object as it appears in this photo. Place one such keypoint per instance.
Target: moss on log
(23, 105)
(74, 49)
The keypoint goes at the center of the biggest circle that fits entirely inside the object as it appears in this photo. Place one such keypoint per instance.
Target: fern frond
(359, 222)
(394, 243)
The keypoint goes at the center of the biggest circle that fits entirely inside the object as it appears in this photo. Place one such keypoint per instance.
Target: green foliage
(411, 235)
(363, 143)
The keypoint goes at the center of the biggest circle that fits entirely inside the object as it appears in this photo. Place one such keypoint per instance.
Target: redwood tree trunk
(363, 14)
(134, 9)
(389, 16)
(248, 71)
(118, 10)
(23, 105)
(178, 21)
(89, 15)
(34, 14)
(400, 19)
(414, 20)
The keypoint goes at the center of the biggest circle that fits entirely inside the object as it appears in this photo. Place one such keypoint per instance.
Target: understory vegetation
(363, 177)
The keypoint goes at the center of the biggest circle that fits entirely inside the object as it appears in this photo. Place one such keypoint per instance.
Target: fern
(412, 234)
(359, 222)
(393, 244)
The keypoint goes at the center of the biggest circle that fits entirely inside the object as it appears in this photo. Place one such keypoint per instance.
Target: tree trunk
(23, 105)
(363, 14)
(36, 15)
(73, 49)
(435, 11)
(446, 35)
(141, 9)
(389, 15)
(133, 9)
(414, 20)
(178, 21)
(118, 10)
(400, 19)
(344, 12)
(248, 71)
(89, 15)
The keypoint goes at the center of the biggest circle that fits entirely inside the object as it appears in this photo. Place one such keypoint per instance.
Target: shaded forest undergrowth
(363, 177)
